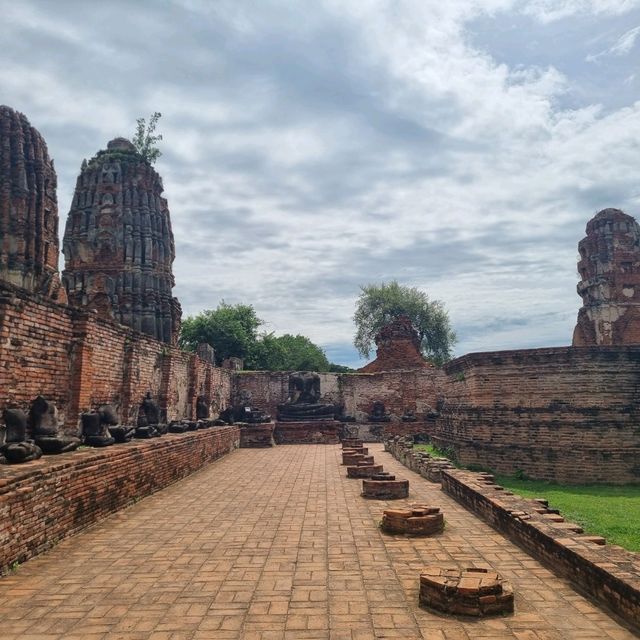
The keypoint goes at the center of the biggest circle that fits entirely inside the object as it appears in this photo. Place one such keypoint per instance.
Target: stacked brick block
(466, 592)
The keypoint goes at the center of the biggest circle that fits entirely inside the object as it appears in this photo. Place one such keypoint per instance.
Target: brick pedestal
(310, 432)
(385, 489)
(363, 470)
(353, 459)
(418, 520)
(253, 436)
(467, 592)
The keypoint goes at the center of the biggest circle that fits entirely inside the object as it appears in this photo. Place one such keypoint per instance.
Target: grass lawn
(605, 510)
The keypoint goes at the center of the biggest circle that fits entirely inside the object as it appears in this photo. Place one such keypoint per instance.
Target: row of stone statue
(27, 437)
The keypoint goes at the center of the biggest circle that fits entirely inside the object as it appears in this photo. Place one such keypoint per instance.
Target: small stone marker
(467, 592)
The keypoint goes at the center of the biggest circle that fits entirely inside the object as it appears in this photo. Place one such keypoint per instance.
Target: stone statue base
(310, 432)
(256, 435)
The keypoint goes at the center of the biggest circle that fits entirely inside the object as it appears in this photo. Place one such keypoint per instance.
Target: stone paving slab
(277, 544)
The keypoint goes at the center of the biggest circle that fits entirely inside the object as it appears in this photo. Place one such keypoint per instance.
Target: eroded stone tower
(28, 208)
(609, 269)
(118, 244)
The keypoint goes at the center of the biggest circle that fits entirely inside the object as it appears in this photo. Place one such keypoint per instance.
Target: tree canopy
(378, 305)
(145, 140)
(233, 331)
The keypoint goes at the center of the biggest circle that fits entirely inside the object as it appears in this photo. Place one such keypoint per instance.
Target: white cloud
(552, 10)
(310, 148)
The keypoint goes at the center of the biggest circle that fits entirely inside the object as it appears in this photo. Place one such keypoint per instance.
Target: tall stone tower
(28, 208)
(118, 244)
(609, 268)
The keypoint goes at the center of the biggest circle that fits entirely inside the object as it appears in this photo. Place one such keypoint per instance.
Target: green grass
(434, 451)
(611, 511)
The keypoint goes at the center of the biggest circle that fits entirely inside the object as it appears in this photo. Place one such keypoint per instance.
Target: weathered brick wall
(569, 414)
(36, 339)
(417, 390)
(79, 361)
(57, 496)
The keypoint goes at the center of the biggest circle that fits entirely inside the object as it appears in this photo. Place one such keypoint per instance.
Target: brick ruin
(112, 341)
(28, 208)
(397, 347)
(609, 269)
(565, 414)
(118, 243)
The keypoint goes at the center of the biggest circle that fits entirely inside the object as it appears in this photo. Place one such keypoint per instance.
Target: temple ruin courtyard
(278, 543)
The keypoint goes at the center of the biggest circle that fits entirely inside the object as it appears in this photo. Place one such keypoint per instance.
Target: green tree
(378, 305)
(145, 140)
(287, 353)
(232, 330)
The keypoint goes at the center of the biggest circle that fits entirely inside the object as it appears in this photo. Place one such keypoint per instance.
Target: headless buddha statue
(16, 447)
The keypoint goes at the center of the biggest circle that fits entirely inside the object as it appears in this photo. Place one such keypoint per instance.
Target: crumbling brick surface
(568, 414)
(397, 347)
(118, 243)
(609, 268)
(28, 208)
(79, 361)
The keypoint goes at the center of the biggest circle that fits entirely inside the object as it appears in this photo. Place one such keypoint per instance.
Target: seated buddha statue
(94, 432)
(149, 419)
(43, 418)
(119, 432)
(303, 403)
(16, 447)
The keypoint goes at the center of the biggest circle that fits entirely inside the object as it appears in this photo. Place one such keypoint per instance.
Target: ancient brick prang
(28, 208)
(609, 268)
(118, 243)
(398, 347)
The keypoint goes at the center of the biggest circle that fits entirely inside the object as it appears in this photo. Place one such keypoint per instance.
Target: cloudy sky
(314, 146)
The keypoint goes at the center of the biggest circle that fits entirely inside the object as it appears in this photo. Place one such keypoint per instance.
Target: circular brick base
(362, 450)
(417, 520)
(353, 459)
(363, 470)
(466, 592)
(385, 489)
(352, 443)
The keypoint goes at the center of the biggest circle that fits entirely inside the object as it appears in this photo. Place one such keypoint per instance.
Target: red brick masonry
(57, 496)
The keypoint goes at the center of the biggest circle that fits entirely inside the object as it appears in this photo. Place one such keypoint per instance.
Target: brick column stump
(253, 436)
(419, 520)
(384, 486)
(363, 470)
(466, 592)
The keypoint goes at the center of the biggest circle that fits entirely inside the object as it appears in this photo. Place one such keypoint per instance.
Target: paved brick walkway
(277, 544)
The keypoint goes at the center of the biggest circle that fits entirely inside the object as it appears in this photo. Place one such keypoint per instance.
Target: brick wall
(79, 361)
(569, 414)
(417, 390)
(57, 496)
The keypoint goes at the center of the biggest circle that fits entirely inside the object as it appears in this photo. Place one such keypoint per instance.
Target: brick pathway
(275, 544)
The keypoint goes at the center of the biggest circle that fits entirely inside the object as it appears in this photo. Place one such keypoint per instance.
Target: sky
(311, 147)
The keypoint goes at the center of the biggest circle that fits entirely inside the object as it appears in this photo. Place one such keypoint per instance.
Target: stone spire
(609, 268)
(28, 208)
(118, 244)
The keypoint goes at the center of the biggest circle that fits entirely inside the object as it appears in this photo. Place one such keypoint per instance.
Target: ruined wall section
(564, 414)
(79, 360)
(36, 340)
(416, 390)
(28, 208)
